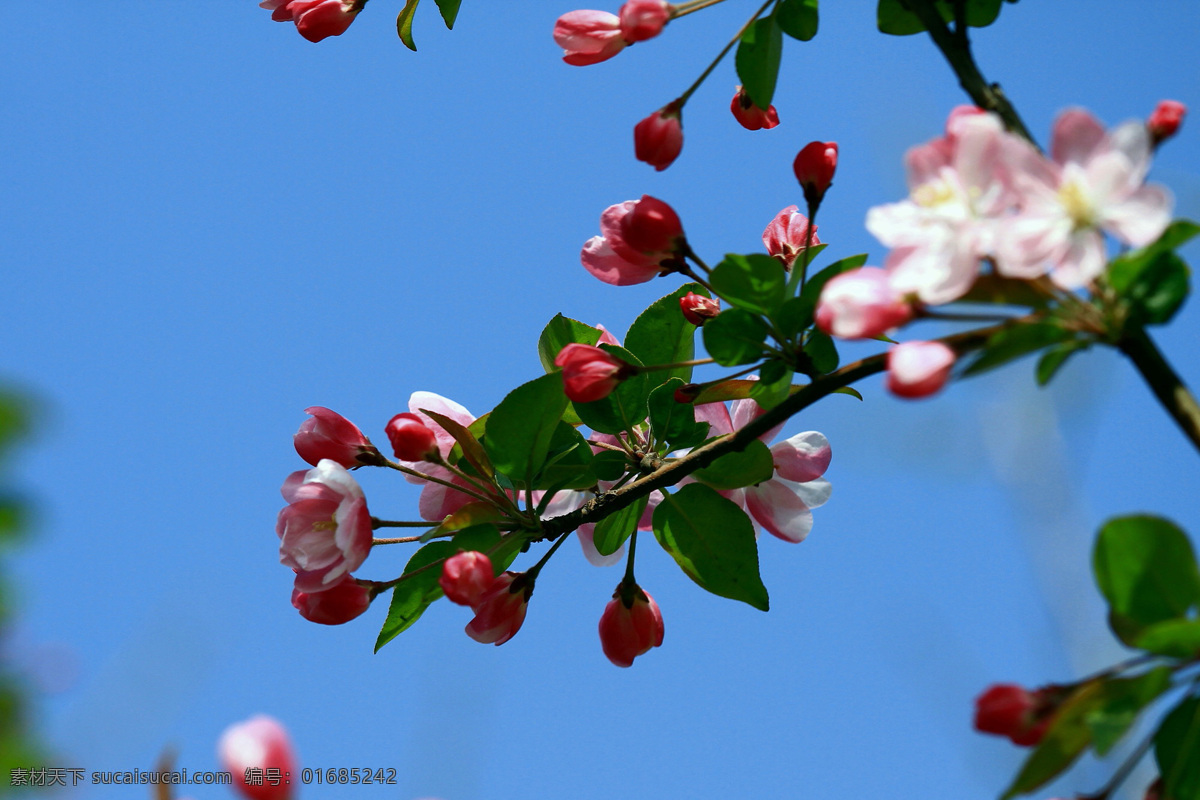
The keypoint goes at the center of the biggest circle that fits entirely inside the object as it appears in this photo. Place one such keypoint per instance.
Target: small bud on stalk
(588, 37)
(336, 605)
(411, 439)
(750, 116)
(918, 369)
(1165, 120)
(643, 19)
(814, 167)
(1013, 711)
(501, 609)
(590, 373)
(466, 576)
(698, 309)
(259, 743)
(315, 19)
(330, 435)
(658, 139)
(631, 625)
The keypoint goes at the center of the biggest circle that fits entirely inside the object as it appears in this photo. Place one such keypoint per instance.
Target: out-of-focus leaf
(822, 352)
(1177, 751)
(1016, 341)
(1178, 638)
(894, 18)
(798, 18)
(1065, 740)
(1053, 359)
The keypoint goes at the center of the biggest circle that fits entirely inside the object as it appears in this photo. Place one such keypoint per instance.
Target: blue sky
(209, 224)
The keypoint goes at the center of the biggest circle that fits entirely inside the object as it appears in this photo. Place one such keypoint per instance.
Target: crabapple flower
(861, 304)
(785, 236)
(814, 167)
(658, 139)
(623, 254)
(1013, 711)
(327, 434)
(698, 309)
(1165, 120)
(325, 530)
(315, 19)
(958, 193)
(1094, 183)
(260, 743)
(437, 500)
(630, 625)
(501, 609)
(783, 504)
(336, 605)
(590, 373)
(411, 439)
(643, 19)
(466, 576)
(918, 369)
(588, 37)
(750, 116)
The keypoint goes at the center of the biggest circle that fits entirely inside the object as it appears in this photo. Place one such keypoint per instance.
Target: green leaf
(894, 18)
(1125, 269)
(672, 421)
(1178, 638)
(568, 461)
(661, 335)
(995, 290)
(613, 530)
(734, 337)
(469, 516)
(1146, 570)
(1123, 699)
(769, 393)
(755, 282)
(850, 390)
(1016, 341)
(449, 9)
(560, 332)
(622, 409)
(757, 60)
(468, 445)
(1050, 362)
(712, 540)
(823, 353)
(520, 429)
(1177, 751)
(1066, 739)
(798, 18)
(1159, 289)
(740, 468)
(610, 465)
(404, 27)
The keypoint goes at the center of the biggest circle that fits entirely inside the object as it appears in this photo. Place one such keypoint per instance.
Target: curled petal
(803, 457)
(779, 510)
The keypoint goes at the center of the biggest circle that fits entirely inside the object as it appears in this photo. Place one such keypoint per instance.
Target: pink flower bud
(630, 626)
(325, 531)
(590, 373)
(688, 393)
(786, 235)
(918, 369)
(860, 304)
(259, 746)
(644, 19)
(466, 576)
(651, 227)
(1010, 710)
(315, 19)
(750, 116)
(327, 434)
(1165, 120)
(500, 610)
(411, 439)
(814, 167)
(698, 309)
(336, 605)
(658, 138)
(588, 37)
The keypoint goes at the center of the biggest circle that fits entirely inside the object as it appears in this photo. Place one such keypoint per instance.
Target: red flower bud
(260, 743)
(315, 19)
(330, 435)
(658, 138)
(411, 439)
(643, 19)
(630, 626)
(466, 576)
(590, 373)
(918, 369)
(687, 393)
(1165, 120)
(588, 37)
(1010, 710)
(814, 167)
(698, 309)
(501, 609)
(750, 116)
(651, 227)
(336, 605)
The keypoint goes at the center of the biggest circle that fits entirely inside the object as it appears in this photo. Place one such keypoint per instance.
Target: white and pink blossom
(325, 530)
(918, 369)
(861, 304)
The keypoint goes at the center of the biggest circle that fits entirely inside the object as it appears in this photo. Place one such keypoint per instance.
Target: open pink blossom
(325, 530)
(438, 500)
(337, 605)
(957, 195)
(861, 304)
(588, 37)
(613, 260)
(783, 504)
(260, 745)
(918, 369)
(327, 434)
(786, 236)
(1093, 183)
(628, 631)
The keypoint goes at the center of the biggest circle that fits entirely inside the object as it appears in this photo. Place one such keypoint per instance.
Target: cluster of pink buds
(315, 19)
(589, 37)
(499, 602)
(1013, 711)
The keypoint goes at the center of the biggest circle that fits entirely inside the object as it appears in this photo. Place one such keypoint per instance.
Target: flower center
(1076, 203)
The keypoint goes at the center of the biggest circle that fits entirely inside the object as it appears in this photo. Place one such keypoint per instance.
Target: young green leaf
(735, 337)
(404, 23)
(468, 445)
(712, 540)
(560, 332)
(739, 468)
(568, 461)
(1016, 341)
(612, 531)
(1050, 362)
(1178, 638)
(520, 429)
(1123, 700)
(1066, 739)
(672, 421)
(661, 335)
(449, 9)
(755, 282)
(822, 352)
(757, 59)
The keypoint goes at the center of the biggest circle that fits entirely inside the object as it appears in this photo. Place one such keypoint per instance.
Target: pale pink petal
(1142, 216)
(1083, 262)
(803, 457)
(746, 411)
(604, 264)
(717, 417)
(779, 510)
(585, 534)
(1077, 135)
(437, 501)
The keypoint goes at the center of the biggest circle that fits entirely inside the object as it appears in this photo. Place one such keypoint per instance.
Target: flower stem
(433, 479)
(376, 522)
(533, 571)
(1167, 386)
(683, 9)
(629, 561)
(683, 98)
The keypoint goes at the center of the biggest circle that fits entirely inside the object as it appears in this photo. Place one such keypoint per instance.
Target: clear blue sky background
(208, 224)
